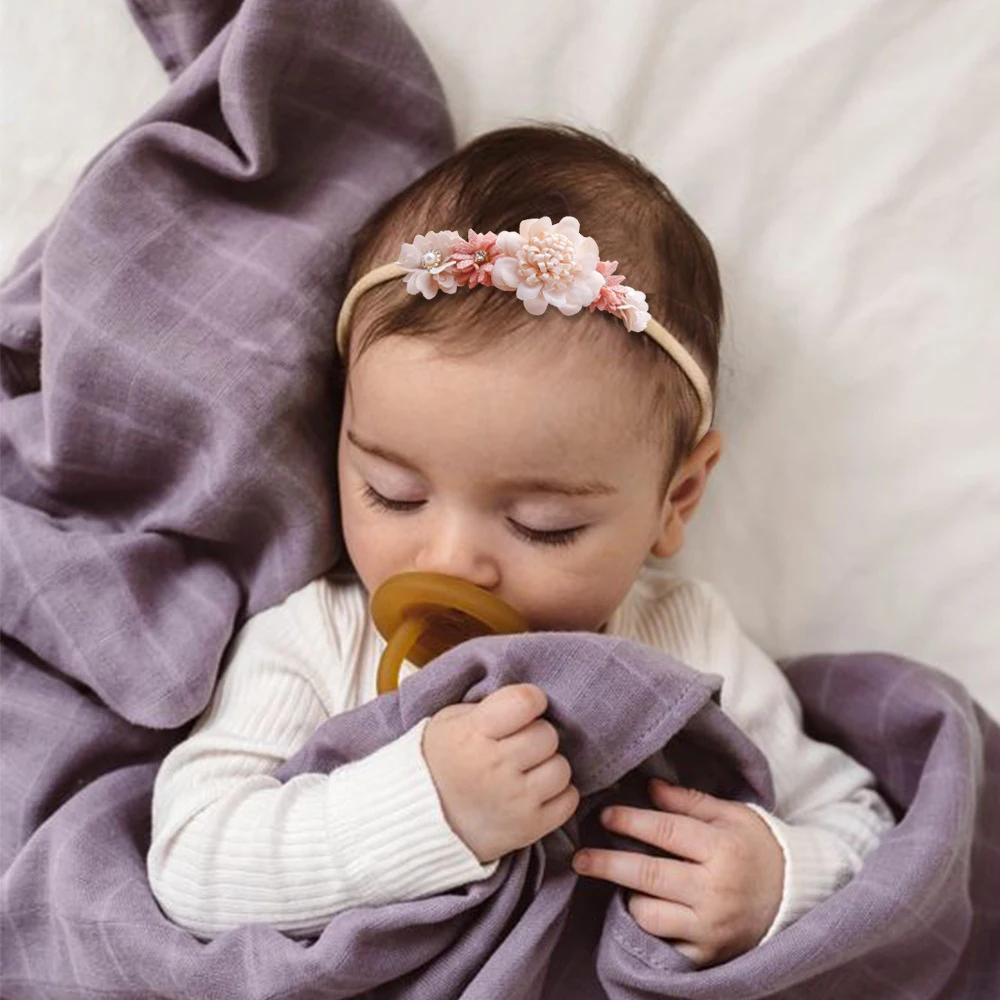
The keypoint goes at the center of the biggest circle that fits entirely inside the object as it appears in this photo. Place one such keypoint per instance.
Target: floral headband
(545, 265)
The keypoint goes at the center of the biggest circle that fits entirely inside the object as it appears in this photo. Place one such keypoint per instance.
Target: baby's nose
(457, 552)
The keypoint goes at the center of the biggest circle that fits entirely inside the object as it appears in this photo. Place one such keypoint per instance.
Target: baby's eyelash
(562, 536)
(374, 499)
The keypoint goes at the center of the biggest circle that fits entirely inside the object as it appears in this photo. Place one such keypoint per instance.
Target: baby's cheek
(576, 602)
(374, 551)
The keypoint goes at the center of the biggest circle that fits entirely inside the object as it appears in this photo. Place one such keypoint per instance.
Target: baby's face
(521, 469)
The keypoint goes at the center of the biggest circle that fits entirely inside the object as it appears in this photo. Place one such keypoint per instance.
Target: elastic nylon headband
(666, 340)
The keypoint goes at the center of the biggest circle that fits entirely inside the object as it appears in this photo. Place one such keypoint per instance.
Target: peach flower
(548, 264)
(634, 312)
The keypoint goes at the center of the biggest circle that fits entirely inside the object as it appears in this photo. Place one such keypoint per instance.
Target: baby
(529, 411)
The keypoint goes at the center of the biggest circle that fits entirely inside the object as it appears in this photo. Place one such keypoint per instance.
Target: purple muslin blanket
(168, 427)
(920, 921)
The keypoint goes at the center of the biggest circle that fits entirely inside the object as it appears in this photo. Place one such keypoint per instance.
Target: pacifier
(422, 615)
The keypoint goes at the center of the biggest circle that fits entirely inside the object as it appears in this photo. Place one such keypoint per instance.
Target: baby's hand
(498, 771)
(718, 895)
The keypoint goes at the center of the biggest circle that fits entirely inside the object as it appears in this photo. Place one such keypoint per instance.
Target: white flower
(429, 262)
(549, 265)
(633, 312)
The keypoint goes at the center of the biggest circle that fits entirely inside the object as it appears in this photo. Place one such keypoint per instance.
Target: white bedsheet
(843, 160)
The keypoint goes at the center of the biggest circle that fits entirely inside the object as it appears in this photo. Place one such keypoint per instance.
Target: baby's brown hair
(506, 176)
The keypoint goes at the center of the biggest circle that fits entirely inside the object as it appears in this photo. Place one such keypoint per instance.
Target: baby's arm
(827, 815)
(738, 873)
(232, 845)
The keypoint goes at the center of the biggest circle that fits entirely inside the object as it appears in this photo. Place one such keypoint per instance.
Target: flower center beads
(430, 259)
(548, 260)
(480, 257)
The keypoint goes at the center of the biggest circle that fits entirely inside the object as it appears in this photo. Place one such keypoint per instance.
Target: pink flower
(474, 259)
(611, 297)
(548, 264)
(618, 299)
(428, 259)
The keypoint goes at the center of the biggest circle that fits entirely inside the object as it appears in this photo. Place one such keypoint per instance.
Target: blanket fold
(169, 411)
(179, 30)
(168, 397)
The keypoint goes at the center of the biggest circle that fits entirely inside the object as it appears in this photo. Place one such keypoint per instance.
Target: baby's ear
(684, 494)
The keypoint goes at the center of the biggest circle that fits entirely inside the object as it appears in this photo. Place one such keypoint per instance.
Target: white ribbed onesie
(232, 845)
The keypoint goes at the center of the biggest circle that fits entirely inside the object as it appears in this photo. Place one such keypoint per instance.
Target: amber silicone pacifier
(422, 615)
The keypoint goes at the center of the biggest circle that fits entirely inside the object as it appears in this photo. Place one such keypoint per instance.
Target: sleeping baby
(527, 407)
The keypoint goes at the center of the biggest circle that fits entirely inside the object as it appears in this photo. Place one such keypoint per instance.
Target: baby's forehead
(575, 371)
(489, 423)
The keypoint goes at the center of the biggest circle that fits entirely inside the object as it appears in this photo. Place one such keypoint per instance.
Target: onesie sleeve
(828, 815)
(232, 845)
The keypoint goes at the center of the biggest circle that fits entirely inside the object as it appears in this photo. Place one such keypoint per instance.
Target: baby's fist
(497, 768)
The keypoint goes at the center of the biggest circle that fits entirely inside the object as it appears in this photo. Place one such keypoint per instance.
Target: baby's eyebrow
(379, 452)
(593, 489)
(585, 489)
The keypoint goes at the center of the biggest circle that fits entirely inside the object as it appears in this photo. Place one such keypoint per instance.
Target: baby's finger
(663, 918)
(509, 709)
(549, 779)
(689, 801)
(452, 711)
(533, 745)
(681, 835)
(663, 878)
(557, 811)
(692, 952)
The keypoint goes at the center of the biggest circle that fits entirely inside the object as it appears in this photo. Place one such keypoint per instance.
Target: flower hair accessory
(544, 265)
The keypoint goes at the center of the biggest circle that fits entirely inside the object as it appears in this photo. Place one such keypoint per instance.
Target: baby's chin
(581, 615)
(573, 612)
(566, 624)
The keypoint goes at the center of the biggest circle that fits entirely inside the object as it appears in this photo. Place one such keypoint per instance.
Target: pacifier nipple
(422, 615)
